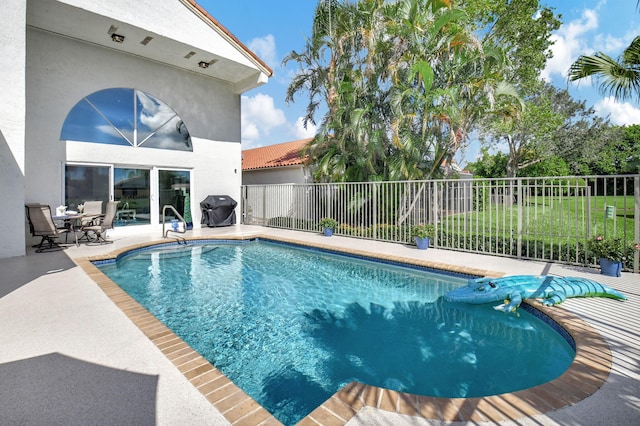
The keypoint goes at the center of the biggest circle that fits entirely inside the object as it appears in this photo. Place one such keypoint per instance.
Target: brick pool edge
(586, 374)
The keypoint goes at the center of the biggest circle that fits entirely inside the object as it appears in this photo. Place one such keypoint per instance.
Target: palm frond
(618, 79)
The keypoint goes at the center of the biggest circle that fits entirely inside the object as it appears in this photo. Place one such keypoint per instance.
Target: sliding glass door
(86, 183)
(130, 187)
(174, 188)
(132, 190)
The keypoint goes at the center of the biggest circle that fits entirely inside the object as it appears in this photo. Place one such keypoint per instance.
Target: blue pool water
(291, 326)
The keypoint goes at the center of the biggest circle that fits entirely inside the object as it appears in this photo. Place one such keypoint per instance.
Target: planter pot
(610, 268)
(328, 232)
(422, 243)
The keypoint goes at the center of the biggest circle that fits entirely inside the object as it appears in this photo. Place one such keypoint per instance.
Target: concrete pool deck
(70, 355)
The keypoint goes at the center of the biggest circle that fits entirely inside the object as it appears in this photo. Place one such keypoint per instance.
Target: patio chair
(91, 211)
(41, 225)
(96, 231)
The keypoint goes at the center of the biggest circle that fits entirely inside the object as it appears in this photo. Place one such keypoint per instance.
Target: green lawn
(553, 228)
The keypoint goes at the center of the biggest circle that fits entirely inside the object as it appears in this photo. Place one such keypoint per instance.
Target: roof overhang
(205, 48)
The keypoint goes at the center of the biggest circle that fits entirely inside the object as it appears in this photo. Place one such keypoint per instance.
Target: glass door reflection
(85, 183)
(175, 189)
(132, 189)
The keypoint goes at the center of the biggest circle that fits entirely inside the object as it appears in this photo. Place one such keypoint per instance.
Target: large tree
(554, 126)
(619, 155)
(340, 69)
(403, 83)
(523, 29)
(632, 144)
(444, 94)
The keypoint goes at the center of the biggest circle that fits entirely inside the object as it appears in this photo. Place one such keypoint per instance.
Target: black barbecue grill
(218, 210)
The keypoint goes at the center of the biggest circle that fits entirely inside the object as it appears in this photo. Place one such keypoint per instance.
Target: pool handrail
(176, 214)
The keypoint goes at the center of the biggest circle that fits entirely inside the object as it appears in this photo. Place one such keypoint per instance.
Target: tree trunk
(512, 164)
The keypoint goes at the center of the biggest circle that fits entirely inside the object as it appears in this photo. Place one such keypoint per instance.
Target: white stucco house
(134, 101)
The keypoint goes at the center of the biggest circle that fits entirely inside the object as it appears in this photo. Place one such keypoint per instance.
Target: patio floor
(70, 355)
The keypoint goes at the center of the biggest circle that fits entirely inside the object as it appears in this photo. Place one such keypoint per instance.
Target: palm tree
(402, 81)
(619, 78)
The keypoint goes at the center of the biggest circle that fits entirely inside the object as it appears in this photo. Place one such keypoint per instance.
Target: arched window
(123, 116)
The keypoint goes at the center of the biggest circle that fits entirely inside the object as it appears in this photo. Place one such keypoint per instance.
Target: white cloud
(569, 43)
(619, 113)
(259, 116)
(250, 132)
(265, 48)
(300, 132)
(608, 43)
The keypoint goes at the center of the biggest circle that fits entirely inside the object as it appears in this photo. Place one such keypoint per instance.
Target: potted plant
(328, 225)
(611, 252)
(422, 234)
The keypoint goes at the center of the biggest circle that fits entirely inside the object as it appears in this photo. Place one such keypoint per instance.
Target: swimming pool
(291, 326)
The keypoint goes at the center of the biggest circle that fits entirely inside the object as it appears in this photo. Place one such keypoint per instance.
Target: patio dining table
(73, 222)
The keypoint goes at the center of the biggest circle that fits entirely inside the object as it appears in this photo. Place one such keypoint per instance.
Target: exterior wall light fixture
(117, 38)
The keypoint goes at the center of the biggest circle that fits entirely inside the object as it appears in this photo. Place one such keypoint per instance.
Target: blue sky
(273, 29)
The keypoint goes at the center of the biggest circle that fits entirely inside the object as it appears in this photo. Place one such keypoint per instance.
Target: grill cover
(218, 210)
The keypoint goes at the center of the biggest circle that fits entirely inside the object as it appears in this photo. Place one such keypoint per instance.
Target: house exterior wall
(294, 174)
(61, 71)
(12, 125)
(56, 52)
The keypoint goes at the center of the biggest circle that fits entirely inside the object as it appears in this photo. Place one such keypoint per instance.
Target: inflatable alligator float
(513, 289)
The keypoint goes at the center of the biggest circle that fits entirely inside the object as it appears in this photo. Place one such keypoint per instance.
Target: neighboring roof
(290, 154)
(232, 38)
(279, 155)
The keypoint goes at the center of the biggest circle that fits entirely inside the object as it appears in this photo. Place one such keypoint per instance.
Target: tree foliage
(559, 135)
(632, 144)
(619, 78)
(403, 83)
(523, 29)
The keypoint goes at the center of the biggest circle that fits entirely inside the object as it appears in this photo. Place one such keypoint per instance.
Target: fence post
(435, 217)
(243, 210)
(520, 213)
(264, 205)
(636, 221)
(374, 211)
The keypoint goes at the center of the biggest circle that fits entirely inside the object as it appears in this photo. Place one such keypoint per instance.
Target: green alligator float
(513, 289)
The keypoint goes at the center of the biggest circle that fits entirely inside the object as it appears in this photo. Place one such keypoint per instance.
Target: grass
(552, 219)
(551, 228)
(545, 228)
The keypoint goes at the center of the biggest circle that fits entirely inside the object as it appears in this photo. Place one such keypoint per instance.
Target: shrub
(423, 230)
(327, 222)
(613, 249)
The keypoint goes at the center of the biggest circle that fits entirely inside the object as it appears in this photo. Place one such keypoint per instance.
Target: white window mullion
(135, 119)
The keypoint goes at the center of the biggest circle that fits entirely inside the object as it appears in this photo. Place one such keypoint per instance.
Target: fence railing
(548, 219)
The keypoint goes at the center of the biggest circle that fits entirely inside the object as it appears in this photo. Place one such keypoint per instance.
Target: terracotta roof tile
(279, 155)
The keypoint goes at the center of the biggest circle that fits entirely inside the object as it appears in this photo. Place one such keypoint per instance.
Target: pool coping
(586, 374)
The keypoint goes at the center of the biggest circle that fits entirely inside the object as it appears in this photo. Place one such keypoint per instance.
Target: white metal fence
(547, 219)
